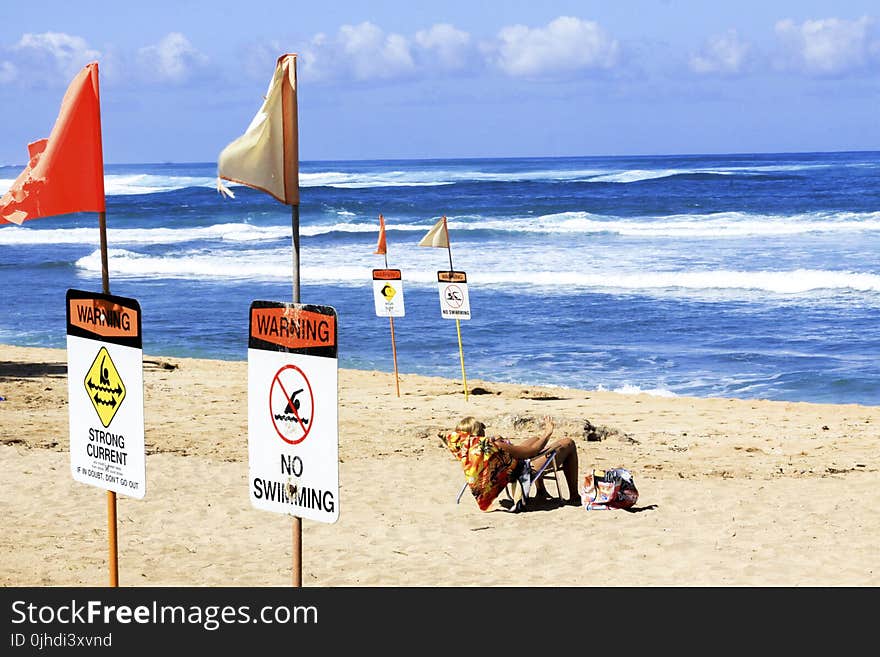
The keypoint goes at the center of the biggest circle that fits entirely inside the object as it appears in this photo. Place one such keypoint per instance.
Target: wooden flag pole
(105, 270)
(295, 226)
(457, 322)
(297, 521)
(461, 356)
(394, 354)
(111, 538)
(257, 162)
(448, 243)
(393, 346)
(113, 548)
(290, 137)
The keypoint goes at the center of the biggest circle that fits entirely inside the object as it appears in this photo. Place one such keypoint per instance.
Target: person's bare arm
(531, 447)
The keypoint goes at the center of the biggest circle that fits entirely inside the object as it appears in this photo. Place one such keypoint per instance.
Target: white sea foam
(140, 183)
(629, 389)
(322, 266)
(233, 232)
(793, 282)
(723, 225)
(264, 264)
(638, 175)
(143, 183)
(191, 265)
(719, 225)
(148, 183)
(340, 179)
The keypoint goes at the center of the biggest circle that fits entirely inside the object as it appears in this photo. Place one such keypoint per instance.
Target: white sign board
(388, 292)
(454, 302)
(105, 380)
(293, 441)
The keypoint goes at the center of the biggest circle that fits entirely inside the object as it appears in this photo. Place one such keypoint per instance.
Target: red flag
(65, 173)
(380, 246)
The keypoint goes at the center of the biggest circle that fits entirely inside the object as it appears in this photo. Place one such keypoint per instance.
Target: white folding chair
(522, 485)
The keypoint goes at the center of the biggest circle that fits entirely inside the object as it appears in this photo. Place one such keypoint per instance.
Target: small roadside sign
(105, 378)
(388, 292)
(454, 301)
(293, 442)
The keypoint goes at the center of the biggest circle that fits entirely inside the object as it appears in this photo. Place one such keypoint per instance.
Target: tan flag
(438, 235)
(266, 156)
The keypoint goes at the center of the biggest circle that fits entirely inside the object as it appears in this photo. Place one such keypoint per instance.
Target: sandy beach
(731, 492)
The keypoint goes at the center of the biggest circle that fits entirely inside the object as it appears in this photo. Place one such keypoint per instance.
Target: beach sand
(731, 492)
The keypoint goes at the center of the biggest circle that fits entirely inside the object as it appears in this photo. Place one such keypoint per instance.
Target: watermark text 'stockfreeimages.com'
(97, 612)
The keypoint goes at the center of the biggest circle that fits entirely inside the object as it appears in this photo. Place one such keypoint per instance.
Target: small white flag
(266, 156)
(438, 235)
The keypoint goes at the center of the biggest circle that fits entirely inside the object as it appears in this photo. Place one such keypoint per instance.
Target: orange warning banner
(386, 274)
(293, 328)
(104, 318)
(451, 277)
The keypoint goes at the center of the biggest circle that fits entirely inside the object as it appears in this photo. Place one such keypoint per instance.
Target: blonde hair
(470, 425)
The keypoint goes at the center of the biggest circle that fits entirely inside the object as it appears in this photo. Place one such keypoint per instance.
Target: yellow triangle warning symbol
(104, 387)
(388, 292)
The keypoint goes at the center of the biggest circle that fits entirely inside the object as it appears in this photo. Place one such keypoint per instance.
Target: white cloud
(8, 72)
(53, 57)
(725, 54)
(360, 52)
(258, 59)
(566, 44)
(445, 45)
(173, 59)
(313, 63)
(365, 52)
(829, 46)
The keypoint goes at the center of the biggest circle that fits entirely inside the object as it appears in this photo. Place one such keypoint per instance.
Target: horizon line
(514, 157)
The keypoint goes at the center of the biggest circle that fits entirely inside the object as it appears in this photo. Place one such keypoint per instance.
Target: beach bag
(609, 489)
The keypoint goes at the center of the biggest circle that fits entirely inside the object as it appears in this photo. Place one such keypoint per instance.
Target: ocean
(746, 276)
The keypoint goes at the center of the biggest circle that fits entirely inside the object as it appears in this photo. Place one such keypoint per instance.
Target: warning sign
(104, 387)
(292, 410)
(454, 302)
(106, 392)
(388, 292)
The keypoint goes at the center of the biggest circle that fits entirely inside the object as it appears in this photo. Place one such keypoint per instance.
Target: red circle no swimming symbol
(454, 296)
(291, 403)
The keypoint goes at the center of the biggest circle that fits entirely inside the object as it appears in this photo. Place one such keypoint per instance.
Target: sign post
(293, 442)
(388, 299)
(105, 378)
(455, 304)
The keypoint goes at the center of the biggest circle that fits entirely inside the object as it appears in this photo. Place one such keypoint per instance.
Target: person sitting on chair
(490, 463)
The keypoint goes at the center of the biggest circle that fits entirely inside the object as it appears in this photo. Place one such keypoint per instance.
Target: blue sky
(402, 79)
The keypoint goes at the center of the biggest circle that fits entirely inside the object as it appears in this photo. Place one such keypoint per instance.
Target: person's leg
(566, 456)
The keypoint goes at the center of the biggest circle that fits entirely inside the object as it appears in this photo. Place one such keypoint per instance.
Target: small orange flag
(65, 173)
(380, 246)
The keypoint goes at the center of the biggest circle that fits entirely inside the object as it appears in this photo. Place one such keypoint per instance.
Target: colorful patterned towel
(487, 467)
